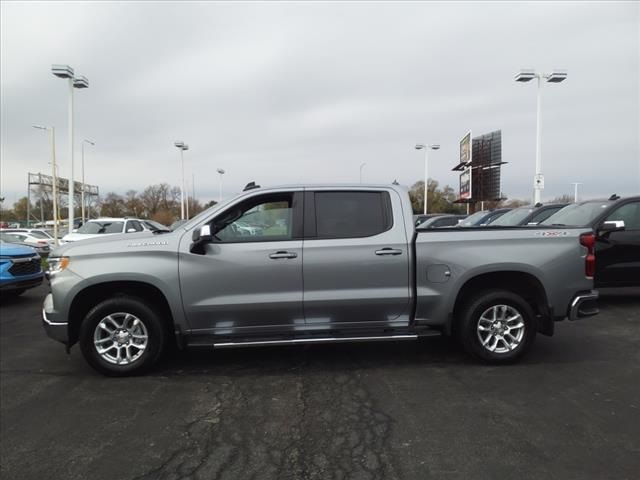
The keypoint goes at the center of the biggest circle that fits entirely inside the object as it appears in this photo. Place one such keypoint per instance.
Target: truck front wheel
(497, 326)
(122, 336)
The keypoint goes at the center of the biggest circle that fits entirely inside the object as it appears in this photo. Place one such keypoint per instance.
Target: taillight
(589, 240)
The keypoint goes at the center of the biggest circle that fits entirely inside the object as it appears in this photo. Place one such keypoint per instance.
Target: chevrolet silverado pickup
(315, 264)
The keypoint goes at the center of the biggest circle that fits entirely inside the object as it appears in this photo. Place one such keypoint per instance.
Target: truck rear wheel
(122, 336)
(497, 326)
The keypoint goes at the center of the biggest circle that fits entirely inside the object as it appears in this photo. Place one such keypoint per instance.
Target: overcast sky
(306, 92)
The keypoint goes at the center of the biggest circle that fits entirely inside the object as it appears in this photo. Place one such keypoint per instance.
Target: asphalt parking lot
(419, 410)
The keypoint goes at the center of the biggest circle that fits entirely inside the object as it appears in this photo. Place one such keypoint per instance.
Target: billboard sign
(466, 149)
(465, 184)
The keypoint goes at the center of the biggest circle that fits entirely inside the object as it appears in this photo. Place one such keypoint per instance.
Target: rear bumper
(55, 327)
(584, 304)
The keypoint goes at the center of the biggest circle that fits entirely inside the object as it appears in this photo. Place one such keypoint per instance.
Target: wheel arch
(524, 284)
(90, 296)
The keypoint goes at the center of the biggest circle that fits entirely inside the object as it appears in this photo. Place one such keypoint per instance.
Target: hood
(74, 237)
(13, 249)
(118, 242)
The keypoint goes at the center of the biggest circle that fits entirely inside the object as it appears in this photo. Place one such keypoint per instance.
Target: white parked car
(41, 246)
(99, 227)
(35, 235)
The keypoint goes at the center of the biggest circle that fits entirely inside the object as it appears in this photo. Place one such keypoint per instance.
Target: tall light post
(526, 75)
(65, 71)
(52, 141)
(221, 172)
(575, 191)
(361, 167)
(82, 186)
(426, 147)
(182, 147)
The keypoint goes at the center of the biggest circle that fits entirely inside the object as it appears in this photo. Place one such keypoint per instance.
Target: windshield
(513, 217)
(471, 220)
(577, 214)
(105, 226)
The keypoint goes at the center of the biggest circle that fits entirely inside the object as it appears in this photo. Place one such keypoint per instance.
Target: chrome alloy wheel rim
(120, 338)
(500, 328)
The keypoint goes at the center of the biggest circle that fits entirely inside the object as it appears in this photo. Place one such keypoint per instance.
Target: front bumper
(21, 284)
(56, 328)
(584, 304)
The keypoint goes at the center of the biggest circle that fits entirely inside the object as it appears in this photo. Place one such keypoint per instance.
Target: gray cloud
(305, 92)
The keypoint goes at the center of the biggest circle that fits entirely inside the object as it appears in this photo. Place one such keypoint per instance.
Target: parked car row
(28, 239)
(111, 226)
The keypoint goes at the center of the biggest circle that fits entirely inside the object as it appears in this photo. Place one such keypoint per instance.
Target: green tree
(439, 200)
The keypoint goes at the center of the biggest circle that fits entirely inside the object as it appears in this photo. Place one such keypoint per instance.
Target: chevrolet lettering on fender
(315, 264)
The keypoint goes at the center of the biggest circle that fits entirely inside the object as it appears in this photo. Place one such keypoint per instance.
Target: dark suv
(617, 224)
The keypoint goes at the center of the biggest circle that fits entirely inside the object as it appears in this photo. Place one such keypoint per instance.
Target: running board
(302, 341)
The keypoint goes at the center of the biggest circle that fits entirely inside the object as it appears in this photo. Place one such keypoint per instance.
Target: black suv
(616, 222)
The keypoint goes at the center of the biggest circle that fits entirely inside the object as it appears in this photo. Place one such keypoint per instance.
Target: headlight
(57, 264)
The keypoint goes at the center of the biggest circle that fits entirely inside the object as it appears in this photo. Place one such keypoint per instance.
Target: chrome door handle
(282, 254)
(388, 251)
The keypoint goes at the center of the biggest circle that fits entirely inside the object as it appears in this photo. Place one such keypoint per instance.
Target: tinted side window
(352, 214)
(629, 213)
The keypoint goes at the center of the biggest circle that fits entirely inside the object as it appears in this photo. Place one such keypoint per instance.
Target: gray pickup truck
(314, 264)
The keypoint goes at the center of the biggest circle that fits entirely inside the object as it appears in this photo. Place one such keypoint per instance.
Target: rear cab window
(347, 214)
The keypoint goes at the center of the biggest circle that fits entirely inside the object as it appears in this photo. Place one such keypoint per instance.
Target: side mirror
(75, 230)
(202, 234)
(612, 226)
(131, 230)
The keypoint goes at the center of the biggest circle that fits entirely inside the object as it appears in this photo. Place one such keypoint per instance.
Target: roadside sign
(465, 184)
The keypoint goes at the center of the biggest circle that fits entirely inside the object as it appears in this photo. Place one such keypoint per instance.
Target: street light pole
(361, 167)
(182, 146)
(575, 191)
(65, 71)
(426, 147)
(221, 172)
(72, 183)
(82, 186)
(52, 141)
(527, 75)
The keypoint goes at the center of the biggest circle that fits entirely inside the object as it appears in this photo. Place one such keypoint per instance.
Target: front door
(249, 279)
(618, 253)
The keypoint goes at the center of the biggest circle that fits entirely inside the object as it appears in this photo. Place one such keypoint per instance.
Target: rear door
(618, 253)
(356, 259)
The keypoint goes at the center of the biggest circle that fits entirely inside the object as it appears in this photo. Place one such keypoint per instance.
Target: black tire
(507, 350)
(150, 319)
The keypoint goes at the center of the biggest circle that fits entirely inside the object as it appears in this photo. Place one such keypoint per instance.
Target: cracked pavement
(409, 410)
